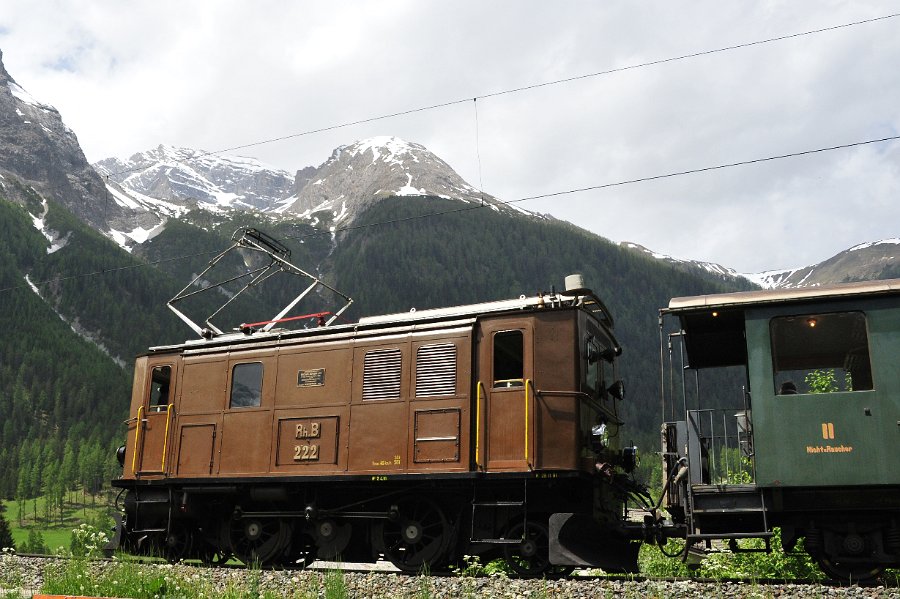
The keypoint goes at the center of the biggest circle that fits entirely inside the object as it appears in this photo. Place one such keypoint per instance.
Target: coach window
(509, 359)
(821, 353)
(246, 385)
(159, 387)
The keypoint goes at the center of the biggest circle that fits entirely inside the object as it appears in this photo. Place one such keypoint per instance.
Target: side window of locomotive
(509, 359)
(436, 370)
(246, 385)
(381, 374)
(159, 387)
(820, 353)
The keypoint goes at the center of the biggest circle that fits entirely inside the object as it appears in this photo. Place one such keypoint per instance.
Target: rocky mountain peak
(361, 173)
(38, 151)
(196, 178)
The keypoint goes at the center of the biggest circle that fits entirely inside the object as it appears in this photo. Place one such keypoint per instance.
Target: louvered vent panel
(436, 370)
(381, 374)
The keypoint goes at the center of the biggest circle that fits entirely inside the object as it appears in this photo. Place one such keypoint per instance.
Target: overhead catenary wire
(533, 86)
(597, 187)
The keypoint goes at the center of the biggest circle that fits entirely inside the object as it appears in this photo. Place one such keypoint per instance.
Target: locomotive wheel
(852, 572)
(530, 558)
(259, 540)
(419, 537)
(331, 538)
(178, 544)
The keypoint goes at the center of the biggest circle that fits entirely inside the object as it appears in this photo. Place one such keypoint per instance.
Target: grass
(55, 531)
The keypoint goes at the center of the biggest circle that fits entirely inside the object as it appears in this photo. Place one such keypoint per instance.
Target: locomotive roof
(773, 296)
(414, 320)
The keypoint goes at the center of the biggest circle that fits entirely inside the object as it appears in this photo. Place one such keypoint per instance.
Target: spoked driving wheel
(419, 536)
(178, 544)
(259, 540)
(530, 557)
(850, 572)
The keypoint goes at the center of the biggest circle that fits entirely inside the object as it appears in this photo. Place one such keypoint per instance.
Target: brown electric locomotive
(418, 437)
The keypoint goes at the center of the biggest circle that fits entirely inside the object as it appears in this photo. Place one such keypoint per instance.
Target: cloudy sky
(128, 76)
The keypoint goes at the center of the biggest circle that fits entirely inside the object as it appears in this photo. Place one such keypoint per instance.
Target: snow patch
(863, 246)
(23, 96)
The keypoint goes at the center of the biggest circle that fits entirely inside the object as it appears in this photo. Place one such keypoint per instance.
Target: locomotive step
(741, 535)
(498, 503)
(149, 530)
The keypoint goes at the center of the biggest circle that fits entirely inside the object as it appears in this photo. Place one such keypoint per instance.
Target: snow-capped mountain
(866, 261)
(195, 178)
(168, 181)
(863, 262)
(359, 174)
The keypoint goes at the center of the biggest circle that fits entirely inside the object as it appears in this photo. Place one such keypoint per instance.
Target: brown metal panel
(556, 363)
(556, 432)
(309, 443)
(441, 455)
(312, 376)
(196, 445)
(463, 344)
(203, 385)
(155, 423)
(137, 400)
(245, 446)
(556, 350)
(395, 342)
(246, 442)
(503, 411)
(378, 437)
(436, 436)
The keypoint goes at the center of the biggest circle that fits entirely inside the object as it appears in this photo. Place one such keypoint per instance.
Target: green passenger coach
(786, 413)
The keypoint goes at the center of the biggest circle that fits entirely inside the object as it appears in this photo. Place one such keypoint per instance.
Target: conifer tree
(6, 539)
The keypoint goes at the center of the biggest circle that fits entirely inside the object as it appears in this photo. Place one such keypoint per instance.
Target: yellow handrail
(137, 437)
(479, 387)
(520, 381)
(528, 383)
(162, 468)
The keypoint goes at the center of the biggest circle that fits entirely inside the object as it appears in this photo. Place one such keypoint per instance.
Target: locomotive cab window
(159, 388)
(820, 353)
(509, 359)
(246, 385)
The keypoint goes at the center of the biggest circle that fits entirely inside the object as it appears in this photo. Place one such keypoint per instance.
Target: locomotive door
(154, 420)
(506, 390)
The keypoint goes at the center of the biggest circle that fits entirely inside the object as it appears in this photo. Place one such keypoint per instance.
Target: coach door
(154, 420)
(506, 395)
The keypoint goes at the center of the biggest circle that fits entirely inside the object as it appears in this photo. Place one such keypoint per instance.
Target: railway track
(30, 572)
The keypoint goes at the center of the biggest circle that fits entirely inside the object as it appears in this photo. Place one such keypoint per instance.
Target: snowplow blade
(577, 540)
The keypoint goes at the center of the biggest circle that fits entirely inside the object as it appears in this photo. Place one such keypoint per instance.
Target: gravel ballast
(27, 573)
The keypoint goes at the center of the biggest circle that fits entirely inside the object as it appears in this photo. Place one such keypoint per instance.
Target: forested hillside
(57, 391)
